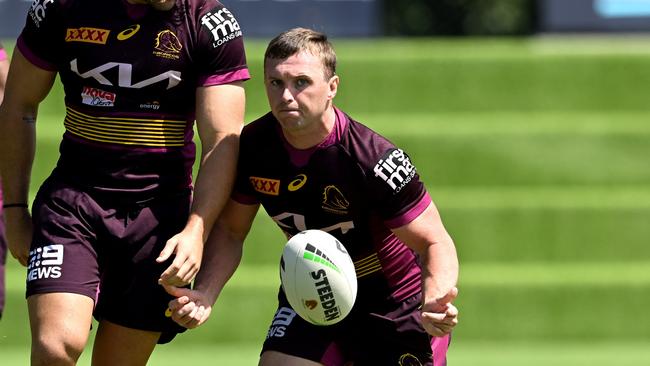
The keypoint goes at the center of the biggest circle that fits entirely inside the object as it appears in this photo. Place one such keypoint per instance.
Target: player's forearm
(214, 183)
(439, 269)
(17, 148)
(221, 257)
(219, 119)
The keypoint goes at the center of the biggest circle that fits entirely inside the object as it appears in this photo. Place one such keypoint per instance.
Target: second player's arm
(221, 257)
(27, 86)
(219, 118)
(427, 236)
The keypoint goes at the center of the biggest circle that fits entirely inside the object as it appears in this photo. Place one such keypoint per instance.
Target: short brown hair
(296, 40)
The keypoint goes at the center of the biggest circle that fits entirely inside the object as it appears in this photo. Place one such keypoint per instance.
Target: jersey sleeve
(221, 45)
(40, 39)
(396, 188)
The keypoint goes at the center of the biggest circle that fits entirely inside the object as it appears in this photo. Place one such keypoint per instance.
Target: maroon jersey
(356, 185)
(129, 74)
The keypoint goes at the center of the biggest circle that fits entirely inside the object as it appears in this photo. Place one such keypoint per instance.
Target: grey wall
(12, 17)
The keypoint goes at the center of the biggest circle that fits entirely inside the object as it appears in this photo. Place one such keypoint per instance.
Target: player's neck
(315, 134)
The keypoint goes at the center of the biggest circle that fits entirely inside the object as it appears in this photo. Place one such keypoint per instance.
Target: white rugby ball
(318, 277)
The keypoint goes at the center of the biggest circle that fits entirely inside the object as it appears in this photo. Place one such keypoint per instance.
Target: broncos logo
(334, 201)
(167, 45)
(408, 359)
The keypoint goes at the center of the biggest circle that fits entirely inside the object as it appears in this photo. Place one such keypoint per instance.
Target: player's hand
(188, 249)
(18, 232)
(190, 309)
(440, 316)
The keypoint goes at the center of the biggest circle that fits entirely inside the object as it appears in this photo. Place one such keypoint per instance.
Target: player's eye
(301, 83)
(275, 83)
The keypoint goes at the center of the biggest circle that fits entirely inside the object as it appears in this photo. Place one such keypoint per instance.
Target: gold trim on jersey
(367, 265)
(126, 131)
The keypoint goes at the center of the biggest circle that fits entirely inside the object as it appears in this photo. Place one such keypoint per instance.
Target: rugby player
(311, 166)
(4, 67)
(116, 218)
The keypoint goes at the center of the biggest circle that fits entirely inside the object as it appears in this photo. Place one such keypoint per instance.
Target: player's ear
(334, 86)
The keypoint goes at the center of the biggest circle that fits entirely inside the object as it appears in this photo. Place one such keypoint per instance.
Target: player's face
(299, 94)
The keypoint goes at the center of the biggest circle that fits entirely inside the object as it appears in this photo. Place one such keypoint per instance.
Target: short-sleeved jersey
(130, 74)
(356, 185)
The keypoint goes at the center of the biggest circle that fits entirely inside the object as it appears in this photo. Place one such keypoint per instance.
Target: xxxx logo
(87, 35)
(266, 185)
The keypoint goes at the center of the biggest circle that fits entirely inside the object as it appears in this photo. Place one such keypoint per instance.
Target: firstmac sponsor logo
(223, 26)
(266, 185)
(395, 169)
(97, 97)
(87, 35)
(45, 262)
(37, 11)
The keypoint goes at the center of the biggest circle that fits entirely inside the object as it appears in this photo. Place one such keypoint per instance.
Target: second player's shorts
(106, 249)
(390, 338)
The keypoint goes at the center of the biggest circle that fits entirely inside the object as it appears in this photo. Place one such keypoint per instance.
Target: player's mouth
(291, 111)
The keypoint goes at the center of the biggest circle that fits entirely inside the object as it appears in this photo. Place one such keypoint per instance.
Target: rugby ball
(318, 277)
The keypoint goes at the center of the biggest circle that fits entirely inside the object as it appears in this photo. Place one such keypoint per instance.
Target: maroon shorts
(391, 338)
(106, 249)
(3, 259)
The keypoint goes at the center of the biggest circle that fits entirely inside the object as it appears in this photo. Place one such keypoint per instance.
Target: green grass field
(535, 151)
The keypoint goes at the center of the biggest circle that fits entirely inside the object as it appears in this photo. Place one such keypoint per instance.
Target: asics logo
(128, 32)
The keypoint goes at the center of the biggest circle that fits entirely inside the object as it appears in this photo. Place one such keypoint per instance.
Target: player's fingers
(178, 303)
(21, 259)
(169, 276)
(177, 291)
(205, 315)
(438, 329)
(192, 318)
(186, 272)
(433, 330)
(180, 315)
(433, 317)
(452, 311)
(168, 250)
(449, 296)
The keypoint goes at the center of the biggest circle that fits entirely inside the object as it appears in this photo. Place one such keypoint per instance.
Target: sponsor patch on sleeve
(395, 169)
(37, 11)
(223, 26)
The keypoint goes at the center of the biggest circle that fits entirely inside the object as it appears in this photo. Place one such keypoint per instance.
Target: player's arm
(221, 257)
(427, 236)
(27, 86)
(219, 118)
(4, 69)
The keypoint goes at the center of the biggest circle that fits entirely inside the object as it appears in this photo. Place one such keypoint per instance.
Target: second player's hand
(190, 309)
(187, 248)
(439, 317)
